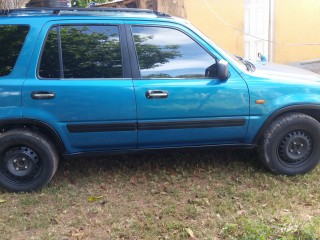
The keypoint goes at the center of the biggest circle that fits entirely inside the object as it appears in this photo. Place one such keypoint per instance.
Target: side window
(49, 66)
(87, 51)
(169, 53)
(12, 38)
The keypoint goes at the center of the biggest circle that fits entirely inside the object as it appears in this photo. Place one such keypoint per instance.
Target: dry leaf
(92, 199)
(77, 235)
(206, 200)
(190, 232)
(241, 212)
(2, 201)
(196, 201)
(134, 180)
(54, 221)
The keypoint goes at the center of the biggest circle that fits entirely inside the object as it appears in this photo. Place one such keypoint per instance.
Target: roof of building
(83, 12)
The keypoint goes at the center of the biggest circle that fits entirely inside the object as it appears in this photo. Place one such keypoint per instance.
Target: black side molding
(112, 127)
(80, 128)
(192, 124)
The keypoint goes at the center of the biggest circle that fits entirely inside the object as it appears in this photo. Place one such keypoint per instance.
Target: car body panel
(90, 114)
(114, 114)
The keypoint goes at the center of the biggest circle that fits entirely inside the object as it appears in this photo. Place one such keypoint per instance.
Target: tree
(151, 55)
(85, 3)
(11, 41)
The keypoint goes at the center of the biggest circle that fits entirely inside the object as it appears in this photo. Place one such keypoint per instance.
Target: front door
(180, 100)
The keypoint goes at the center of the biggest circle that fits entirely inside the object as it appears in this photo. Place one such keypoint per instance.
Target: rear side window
(49, 66)
(87, 51)
(12, 38)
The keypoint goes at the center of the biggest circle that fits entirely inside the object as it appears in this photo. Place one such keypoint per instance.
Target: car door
(180, 100)
(82, 86)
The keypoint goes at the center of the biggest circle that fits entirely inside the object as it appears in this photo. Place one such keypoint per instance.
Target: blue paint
(101, 102)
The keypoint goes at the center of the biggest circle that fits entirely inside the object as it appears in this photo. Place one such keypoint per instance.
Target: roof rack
(57, 11)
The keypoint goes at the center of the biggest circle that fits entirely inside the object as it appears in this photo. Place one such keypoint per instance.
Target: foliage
(11, 42)
(85, 3)
(150, 55)
(92, 54)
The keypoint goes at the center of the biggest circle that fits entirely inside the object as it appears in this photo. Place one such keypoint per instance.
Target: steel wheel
(291, 144)
(296, 147)
(20, 164)
(28, 160)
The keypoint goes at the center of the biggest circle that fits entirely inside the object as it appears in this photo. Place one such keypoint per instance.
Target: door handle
(153, 94)
(42, 95)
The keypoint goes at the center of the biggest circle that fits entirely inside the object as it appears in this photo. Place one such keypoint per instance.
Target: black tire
(28, 160)
(291, 144)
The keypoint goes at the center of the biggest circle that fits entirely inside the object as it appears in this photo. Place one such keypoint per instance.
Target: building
(284, 31)
(52, 3)
(173, 7)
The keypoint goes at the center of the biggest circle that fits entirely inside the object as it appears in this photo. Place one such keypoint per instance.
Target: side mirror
(223, 70)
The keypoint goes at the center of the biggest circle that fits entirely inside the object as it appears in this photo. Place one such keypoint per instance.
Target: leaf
(54, 221)
(2, 201)
(103, 187)
(196, 201)
(134, 180)
(190, 232)
(206, 200)
(241, 212)
(93, 199)
(286, 210)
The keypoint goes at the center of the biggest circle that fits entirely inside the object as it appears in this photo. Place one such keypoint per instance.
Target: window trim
(126, 68)
(59, 52)
(22, 47)
(134, 55)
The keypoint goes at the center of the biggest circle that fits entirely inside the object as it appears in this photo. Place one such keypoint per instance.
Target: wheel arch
(40, 126)
(310, 110)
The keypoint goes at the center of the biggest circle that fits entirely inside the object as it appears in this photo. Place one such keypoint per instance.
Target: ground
(218, 194)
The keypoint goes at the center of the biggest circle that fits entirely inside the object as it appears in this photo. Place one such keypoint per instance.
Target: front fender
(312, 110)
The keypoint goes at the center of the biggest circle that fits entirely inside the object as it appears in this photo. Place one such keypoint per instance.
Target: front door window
(169, 53)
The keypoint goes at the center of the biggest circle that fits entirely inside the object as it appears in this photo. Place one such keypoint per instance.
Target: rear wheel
(291, 144)
(28, 160)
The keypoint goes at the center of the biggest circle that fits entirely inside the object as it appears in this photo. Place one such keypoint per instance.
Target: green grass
(220, 194)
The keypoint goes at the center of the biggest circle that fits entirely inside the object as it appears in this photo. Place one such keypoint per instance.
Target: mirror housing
(223, 70)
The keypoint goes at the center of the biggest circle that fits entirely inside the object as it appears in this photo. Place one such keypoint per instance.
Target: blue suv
(92, 81)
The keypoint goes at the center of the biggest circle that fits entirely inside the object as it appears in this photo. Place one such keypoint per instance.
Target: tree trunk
(10, 4)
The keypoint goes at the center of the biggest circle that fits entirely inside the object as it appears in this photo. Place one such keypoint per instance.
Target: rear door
(82, 85)
(180, 100)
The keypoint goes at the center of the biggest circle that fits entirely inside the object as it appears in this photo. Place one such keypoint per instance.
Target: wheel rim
(295, 147)
(20, 165)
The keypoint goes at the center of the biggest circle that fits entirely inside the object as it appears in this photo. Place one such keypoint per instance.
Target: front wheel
(28, 160)
(291, 144)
